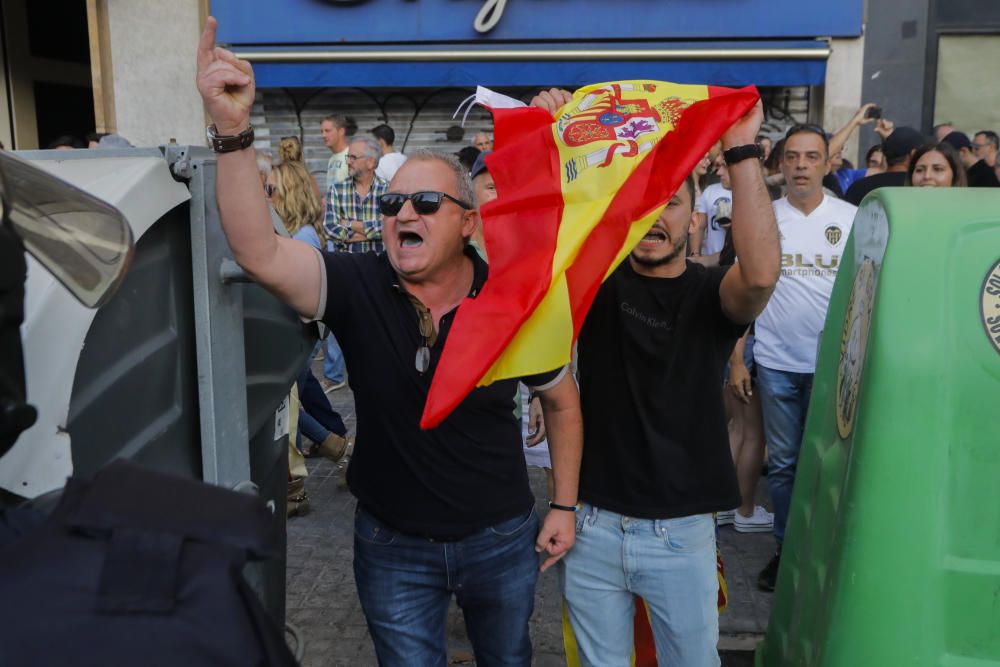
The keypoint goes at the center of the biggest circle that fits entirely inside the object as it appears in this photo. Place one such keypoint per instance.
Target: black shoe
(767, 576)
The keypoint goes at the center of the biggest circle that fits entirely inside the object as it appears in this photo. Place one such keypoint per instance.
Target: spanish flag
(575, 194)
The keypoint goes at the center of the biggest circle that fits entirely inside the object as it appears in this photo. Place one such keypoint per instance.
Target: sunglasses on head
(424, 203)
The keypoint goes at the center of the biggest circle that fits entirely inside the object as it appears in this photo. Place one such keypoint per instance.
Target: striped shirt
(344, 204)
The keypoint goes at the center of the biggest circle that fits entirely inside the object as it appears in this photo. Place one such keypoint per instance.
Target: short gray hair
(374, 150)
(463, 184)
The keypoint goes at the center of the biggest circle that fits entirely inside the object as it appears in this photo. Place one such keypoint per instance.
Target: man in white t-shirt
(335, 132)
(814, 229)
(391, 158)
(713, 210)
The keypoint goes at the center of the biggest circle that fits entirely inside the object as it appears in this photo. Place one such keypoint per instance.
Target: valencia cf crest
(990, 305)
(833, 234)
(854, 345)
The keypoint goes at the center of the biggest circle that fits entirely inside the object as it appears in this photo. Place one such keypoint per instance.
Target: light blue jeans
(333, 361)
(669, 562)
(784, 402)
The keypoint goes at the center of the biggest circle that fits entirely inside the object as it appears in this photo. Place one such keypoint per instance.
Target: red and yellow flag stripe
(576, 193)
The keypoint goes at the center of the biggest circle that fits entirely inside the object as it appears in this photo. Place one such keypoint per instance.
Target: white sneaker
(329, 386)
(724, 518)
(761, 521)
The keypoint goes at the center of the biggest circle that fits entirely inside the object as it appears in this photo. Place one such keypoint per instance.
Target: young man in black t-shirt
(442, 512)
(656, 458)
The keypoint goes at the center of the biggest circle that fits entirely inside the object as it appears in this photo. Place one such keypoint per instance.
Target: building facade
(128, 65)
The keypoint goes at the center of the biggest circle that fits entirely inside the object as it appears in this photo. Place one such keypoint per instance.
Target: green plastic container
(892, 553)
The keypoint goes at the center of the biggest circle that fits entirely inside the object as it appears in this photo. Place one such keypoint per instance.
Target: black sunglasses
(424, 203)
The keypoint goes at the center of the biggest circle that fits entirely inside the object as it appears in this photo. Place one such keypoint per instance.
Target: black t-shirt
(450, 481)
(982, 175)
(863, 186)
(651, 358)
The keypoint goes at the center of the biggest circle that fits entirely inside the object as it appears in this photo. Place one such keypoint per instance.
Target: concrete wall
(895, 62)
(842, 92)
(152, 46)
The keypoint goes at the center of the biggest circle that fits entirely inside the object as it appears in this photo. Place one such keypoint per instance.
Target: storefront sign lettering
(488, 17)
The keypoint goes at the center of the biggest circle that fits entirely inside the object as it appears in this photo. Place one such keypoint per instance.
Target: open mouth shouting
(654, 238)
(410, 239)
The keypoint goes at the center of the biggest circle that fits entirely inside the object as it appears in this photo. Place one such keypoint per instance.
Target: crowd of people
(694, 369)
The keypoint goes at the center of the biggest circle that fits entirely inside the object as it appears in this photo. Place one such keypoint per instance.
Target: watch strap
(744, 152)
(230, 143)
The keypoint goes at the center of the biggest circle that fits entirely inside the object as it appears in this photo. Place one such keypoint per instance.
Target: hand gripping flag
(575, 194)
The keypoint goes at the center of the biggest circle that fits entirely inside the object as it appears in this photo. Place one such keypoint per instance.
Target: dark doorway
(57, 30)
(63, 110)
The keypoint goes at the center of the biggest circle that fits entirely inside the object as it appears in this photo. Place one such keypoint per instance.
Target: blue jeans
(317, 419)
(669, 562)
(784, 401)
(405, 584)
(333, 361)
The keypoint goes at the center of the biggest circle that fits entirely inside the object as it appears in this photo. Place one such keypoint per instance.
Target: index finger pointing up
(206, 43)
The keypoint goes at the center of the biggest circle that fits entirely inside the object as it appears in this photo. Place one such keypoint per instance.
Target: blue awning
(761, 63)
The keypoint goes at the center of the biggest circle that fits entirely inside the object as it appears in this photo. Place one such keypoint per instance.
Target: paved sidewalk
(323, 604)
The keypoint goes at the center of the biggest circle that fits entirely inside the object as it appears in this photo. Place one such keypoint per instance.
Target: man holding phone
(867, 114)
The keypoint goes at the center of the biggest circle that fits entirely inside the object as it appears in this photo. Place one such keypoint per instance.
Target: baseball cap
(958, 140)
(480, 165)
(902, 140)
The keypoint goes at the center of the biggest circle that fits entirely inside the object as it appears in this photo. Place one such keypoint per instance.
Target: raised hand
(860, 118)
(552, 100)
(884, 127)
(744, 130)
(225, 82)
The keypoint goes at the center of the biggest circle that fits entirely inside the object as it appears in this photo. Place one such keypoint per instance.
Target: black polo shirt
(450, 481)
(982, 175)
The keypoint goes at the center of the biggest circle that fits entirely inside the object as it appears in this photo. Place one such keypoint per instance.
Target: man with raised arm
(656, 459)
(442, 512)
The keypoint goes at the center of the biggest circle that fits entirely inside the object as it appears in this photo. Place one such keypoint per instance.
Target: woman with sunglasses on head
(936, 167)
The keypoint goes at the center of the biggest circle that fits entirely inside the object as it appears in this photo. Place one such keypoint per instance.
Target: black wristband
(744, 152)
(564, 508)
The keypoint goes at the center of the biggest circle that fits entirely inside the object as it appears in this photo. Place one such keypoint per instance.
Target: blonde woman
(290, 150)
(296, 202)
(295, 198)
(298, 206)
